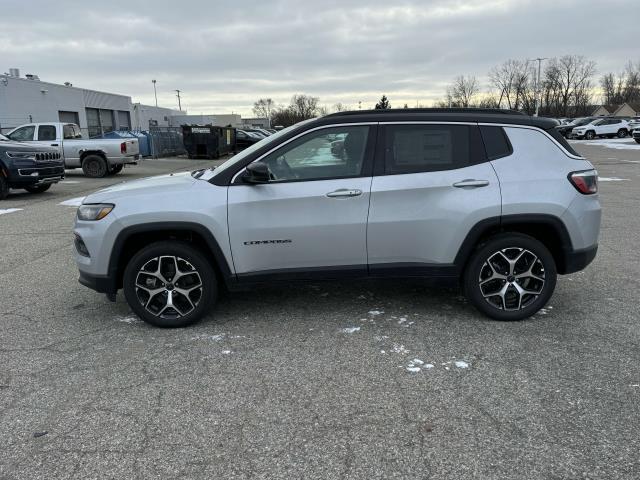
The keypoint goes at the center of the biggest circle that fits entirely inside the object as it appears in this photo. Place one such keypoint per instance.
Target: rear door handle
(344, 192)
(54, 144)
(470, 183)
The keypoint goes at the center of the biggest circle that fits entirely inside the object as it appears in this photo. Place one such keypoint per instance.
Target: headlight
(95, 211)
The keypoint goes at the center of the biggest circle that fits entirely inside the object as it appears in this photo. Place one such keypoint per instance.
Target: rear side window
(562, 141)
(429, 148)
(46, 132)
(496, 142)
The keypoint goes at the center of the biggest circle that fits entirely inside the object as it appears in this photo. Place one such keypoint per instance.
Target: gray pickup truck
(97, 157)
(31, 167)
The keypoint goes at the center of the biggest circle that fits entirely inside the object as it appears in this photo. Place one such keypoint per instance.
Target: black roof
(481, 115)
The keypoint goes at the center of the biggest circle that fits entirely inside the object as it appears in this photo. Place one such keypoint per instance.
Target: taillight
(586, 181)
(123, 147)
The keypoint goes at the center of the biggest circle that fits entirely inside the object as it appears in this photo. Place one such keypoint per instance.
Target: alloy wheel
(512, 278)
(168, 287)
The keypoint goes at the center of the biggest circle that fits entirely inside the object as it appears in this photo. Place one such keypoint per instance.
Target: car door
(310, 219)
(432, 184)
(47, 136)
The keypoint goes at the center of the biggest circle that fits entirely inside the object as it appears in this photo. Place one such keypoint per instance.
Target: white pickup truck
(97, 157)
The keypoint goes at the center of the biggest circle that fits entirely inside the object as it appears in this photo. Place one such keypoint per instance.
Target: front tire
(38, 188)
(590, 135)
(94, 166)
(4, 187)
(170, 284)
(510, 277)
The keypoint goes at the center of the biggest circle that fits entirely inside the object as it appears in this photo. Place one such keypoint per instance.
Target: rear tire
(510, 277)
(170, 284)
(94, 166)
(622, 133)
(38, 188)
(4, 187)
(637, 140)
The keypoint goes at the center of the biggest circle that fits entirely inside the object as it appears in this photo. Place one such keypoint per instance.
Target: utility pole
(537, 93)
(179, 105)
(155, 94)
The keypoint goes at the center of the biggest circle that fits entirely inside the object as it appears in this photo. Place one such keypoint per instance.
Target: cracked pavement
(312, 380)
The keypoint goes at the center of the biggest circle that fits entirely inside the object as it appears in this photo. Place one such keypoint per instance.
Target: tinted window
(24, 134)
(427, 148)
(496, 142)
(68, 132)
(562, 141)
(327, 153)
(46, 132)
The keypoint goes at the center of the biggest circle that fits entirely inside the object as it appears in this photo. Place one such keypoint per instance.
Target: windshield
(247, 151)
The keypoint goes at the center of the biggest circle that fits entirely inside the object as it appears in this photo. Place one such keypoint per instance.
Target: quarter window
(428, 148)
(496, 142)
(46, 133)
(327, 153)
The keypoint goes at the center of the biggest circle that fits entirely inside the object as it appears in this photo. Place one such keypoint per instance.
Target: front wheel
(4, 187)
(590, 135)
(510, 277)
(169, 284)
(38, 188)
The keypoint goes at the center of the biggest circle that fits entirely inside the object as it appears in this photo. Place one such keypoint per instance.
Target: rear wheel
(637, 140)
(169, 284)
(510, 277)
(4, 187)
(38, 188)
(622, 133)
(94, 166)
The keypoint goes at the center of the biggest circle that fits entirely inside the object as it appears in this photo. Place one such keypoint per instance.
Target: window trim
(380, 167)
(367, 162)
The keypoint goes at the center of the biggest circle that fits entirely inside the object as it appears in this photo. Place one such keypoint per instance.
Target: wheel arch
(548, 229)
(85, 153)
(131, 239)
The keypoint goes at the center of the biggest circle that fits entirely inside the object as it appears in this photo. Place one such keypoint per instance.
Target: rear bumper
(576, 260)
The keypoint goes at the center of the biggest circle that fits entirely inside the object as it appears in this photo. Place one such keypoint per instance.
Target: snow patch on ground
(127, 319)
(617, 143)
(73, 202)
(612, 179)
(211, 338)
(4, 211)
(375, 312)
(397, 348)
(413, 369)
(461, 364)
(350, 329)
(226, 352)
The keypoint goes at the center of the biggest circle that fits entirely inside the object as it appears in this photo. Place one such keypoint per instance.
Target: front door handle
(344, 192)
(54, 144)
(470, 183)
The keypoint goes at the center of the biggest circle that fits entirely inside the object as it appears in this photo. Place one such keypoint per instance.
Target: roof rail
(483, 111)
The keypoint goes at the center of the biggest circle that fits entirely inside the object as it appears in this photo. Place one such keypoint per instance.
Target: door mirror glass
(257, 172)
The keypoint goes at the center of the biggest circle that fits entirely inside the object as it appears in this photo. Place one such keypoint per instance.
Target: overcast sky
(225, 55)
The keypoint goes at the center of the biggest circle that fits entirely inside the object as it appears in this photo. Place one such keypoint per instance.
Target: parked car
(634, 123)
(636, 135)
(97, 157)
(257, 131)
(608, 127)
(33, 168)
(496, 202)
(245, 139)
(565, 130)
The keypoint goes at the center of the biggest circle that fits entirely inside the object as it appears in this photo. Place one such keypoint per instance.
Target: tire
(590, 135)
(38, 188)
(190, 301)
(537, 274)
(622, 133)
(116, 169)
(94, 166)
(4, 187)
(637, 140)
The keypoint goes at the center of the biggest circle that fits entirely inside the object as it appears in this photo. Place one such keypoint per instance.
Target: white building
(222, 120)
(145, 116)
(28, 99)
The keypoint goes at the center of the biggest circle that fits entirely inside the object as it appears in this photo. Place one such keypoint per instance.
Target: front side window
(24, 134)
(46, 133)
(336, 152)
(429, 148)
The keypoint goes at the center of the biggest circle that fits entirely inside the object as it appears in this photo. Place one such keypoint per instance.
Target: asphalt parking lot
(318, 380)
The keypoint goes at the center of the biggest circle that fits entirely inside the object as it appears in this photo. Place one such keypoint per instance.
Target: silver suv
(491, 200)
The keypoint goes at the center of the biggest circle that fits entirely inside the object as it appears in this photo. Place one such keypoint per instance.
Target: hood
(162, 184)
(12, 146)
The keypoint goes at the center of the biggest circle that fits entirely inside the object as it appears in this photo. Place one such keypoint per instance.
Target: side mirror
(257, 172)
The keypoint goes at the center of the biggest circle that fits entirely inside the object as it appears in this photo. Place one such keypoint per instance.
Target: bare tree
(567, 85)
(340, 107)
(512, 80)
(263, 108)
(463, 90)
(302, 107)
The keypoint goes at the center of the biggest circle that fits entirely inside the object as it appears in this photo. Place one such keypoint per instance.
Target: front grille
(47, 156)
(42, 172)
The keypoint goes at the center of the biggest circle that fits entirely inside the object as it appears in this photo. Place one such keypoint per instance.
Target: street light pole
(179, 105)
(155, 94)
(538, 85)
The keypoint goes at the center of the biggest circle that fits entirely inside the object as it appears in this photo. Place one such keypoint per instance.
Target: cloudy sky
(225, 55)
